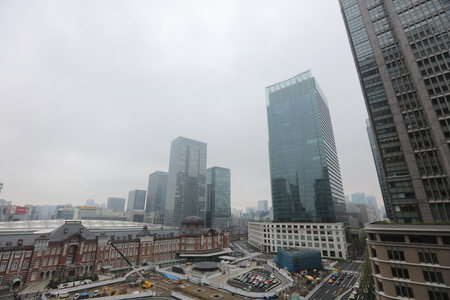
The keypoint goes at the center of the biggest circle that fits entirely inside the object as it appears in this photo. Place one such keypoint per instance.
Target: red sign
(21, 210)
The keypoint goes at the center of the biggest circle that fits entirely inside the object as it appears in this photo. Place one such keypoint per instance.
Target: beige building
(410, 261)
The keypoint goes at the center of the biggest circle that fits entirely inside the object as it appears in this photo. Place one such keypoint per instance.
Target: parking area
(258, 281)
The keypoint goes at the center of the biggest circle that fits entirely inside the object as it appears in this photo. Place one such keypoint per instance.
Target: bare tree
(367, 286)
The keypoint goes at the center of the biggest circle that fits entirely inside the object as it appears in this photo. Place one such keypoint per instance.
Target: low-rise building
(329, 238)
(410, 261)
(32, 251)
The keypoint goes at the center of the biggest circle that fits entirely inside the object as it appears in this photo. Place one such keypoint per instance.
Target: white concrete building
(329, 238)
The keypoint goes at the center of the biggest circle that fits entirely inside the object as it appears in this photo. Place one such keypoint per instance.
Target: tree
(367, 287)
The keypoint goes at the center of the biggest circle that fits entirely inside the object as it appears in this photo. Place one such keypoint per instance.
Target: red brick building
(72, 248)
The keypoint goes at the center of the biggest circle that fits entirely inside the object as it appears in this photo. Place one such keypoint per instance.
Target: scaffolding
(296, 260)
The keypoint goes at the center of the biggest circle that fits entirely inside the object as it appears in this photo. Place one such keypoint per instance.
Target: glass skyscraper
(401, 52)
(304, 168)
(218, 201)
(136, 200)
(186, 182)
(156, 193)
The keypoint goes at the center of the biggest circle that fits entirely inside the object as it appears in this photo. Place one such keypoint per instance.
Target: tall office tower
(378, 167)
(401, 51)
(304, 168)
(263, 205)
(90, 202)
(218, 199)
(359, 198)
(136, 200)
(156, 193)
(116, 203)
(372, 201)
(186, 182)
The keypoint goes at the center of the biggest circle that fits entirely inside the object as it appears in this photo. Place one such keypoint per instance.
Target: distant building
(218, 200)
(156, 193)
(186, 183)
(359, 198)
(116, 203)
(136, 200)
(135, 216)
(263, 205)
(64, 213)
(90, 202)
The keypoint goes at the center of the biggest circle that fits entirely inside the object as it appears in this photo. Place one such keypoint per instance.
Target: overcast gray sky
(93, 92)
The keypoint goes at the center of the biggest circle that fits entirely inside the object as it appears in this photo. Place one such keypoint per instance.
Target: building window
(28, 254)
(396, 255)
(17, 254)
(58, 251)
(377, 269)
(399, 272)
(14, 265)
(438, 294)
(380, 285)
(5, 255)
(25, 264)
(44, 263)
(431, 275)
(404, 291)
(36, 263)
(428, 257)
(53, 251)
(56, 261)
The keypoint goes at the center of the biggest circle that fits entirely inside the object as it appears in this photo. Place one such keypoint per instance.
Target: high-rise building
(116, 203)
(136, 200)
(304, 168)
(156, 193)
(263, 205)
(186, 182)
(377, 161)
(401, 52)
(218, 200)
(372, 201)
(359, 198)
(90, 202)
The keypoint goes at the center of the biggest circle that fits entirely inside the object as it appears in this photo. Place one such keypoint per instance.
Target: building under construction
(296, 260)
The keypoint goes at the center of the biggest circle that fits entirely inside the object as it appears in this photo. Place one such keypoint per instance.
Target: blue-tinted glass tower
(218, 200)
(304, 168)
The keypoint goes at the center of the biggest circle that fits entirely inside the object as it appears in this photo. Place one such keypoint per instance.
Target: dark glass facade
(156, 193)
(218, 201)
(304, 168)
(136, 200)
(186, 182)
(401, 52)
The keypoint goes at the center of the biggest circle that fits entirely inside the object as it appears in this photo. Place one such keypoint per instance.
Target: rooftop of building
(43, 226)
(391, 226)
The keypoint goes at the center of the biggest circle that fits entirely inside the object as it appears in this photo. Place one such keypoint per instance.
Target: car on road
(338, 282)
(349, 275)
(331, 281)
(356, 285)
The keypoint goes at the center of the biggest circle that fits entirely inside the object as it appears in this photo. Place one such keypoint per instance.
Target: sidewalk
(34, 288)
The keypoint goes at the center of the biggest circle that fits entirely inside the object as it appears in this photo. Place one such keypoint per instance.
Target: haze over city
(93, 93)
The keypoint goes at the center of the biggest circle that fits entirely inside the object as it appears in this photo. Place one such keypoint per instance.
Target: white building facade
(329, 238)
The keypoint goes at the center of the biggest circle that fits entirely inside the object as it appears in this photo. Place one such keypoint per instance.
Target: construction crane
(123, 256)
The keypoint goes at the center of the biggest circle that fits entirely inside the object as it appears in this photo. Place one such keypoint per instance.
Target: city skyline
(67, 125)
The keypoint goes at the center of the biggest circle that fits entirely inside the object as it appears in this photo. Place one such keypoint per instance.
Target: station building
(33, 251)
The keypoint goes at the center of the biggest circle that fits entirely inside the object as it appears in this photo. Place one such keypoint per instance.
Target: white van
(63, 295)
